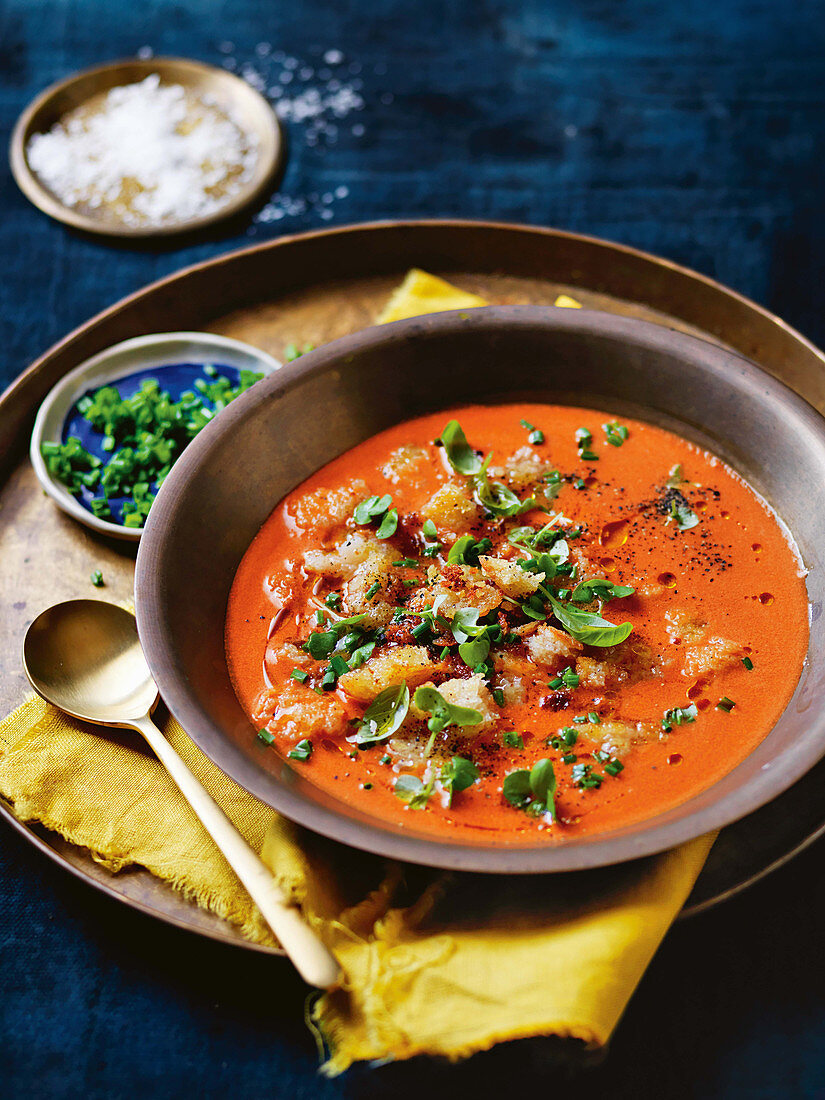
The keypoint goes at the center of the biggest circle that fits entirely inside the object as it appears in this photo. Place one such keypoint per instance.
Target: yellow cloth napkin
(433, 963)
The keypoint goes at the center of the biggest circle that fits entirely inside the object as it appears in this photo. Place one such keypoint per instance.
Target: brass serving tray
(271, 295)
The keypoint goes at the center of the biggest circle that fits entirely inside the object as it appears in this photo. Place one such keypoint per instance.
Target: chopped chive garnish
(320, 617)
(513, 739)
(333, 600)
(616, 433)
(366, 786)
(266, 737)
(445, 652)
(570, 678)
(536, 434)
(613, 767)
(421, 630)
(385, 759)
(556, 683)
(569, 736)
(373, 588)
(580, 718)
(725, 704)
(593, 718)
(299, 675)
(406, 563)
(97, 578)
(569, 758)
(302, 751)
(498, 696)
(748, 663)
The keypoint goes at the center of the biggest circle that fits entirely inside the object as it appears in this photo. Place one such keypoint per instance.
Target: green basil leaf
(460, 454)
(384, 715)
(588, 627)
(513, 739)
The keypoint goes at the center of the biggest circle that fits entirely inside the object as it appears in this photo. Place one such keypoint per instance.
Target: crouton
(341, 560)
(452, 508)
(619, 737)
(405, 464)
(509, 577)
(296, 711)
(524, 469)
(628, 662)
(361, 597)
(551, 647)
(713, 655)
(456, 587)
(322, 510)
(406, 663)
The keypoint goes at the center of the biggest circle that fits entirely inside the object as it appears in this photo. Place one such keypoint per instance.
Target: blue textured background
(691, 129)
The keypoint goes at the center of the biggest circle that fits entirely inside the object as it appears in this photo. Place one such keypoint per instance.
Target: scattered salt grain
(151, 154)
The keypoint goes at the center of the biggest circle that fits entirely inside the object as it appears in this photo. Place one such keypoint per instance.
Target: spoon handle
(311, 958)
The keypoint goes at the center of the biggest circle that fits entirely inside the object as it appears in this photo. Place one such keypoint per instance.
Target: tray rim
(15, 394)
(25, 376)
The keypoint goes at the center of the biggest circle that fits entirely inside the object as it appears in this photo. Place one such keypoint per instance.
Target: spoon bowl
(85, 657)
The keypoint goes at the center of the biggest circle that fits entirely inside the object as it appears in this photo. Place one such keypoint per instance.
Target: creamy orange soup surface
(518, 623)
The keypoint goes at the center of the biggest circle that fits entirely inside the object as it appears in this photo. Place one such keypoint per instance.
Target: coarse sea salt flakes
(153, 154)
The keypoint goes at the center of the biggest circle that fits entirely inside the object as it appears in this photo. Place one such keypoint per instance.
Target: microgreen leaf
(598, 588)
(457, 776)
(443, 713)
(465, 550)
(675, 477)
(474, 652)
(414, 791)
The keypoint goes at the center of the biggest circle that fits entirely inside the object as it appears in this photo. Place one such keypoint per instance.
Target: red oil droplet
(766, 598)
(703, 704)
(614, 534)
(725, 515)
(674, 758)
(757, 549)
(667, 579)
(607, 564)
(590, 482)
(696, 689)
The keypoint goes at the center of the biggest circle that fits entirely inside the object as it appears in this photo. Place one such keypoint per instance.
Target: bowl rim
(151, 343)
(647, 838)
(273, 145)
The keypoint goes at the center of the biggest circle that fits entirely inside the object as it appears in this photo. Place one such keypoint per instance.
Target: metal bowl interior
(230, 478)
(229, 92)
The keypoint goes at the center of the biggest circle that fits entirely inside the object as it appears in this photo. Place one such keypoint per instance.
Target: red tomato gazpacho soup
(518, 623)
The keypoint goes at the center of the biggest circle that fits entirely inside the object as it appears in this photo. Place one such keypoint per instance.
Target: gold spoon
(84, 656)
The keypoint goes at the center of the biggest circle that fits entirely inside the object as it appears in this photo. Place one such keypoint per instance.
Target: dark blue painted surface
(693, 130)
(173, 378)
